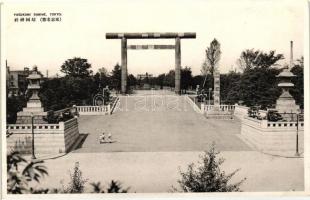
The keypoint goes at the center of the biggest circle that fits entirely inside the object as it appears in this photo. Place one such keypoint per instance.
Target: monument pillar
(177, 65)
(124, 66)
(216, 90)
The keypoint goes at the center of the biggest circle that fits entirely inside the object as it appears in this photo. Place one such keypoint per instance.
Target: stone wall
(48, 138)
(240, 111)
(193, 104)
(71, 133)
(272, 136)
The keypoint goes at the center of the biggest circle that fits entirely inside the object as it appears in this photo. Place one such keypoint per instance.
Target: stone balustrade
(94, 110)
(27, 127)
(274, 125)
(284, 125)
(205, 107)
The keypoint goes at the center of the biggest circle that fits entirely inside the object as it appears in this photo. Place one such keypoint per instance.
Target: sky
(237, 25)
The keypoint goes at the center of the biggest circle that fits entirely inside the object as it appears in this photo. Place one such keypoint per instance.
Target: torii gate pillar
(124, 66)
(177, 82)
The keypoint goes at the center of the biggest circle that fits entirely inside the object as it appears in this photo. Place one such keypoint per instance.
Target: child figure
(102, 138)
(109, 138)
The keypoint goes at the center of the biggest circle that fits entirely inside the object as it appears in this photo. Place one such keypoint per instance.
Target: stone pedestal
(216, 113)
(25, 118)
(286, 104)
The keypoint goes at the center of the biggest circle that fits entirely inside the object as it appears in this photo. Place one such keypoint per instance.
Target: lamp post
(210, 89)
(32, 132)
(297, 148)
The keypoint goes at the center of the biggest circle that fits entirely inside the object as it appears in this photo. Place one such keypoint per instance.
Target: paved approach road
(156, 123)
(157, 135)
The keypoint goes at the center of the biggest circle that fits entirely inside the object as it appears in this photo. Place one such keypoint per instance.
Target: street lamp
(32, 132)
(210, 89)
(297, 148)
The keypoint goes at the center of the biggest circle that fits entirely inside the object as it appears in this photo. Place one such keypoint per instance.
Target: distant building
(16, 80)
(143, 76)
(143, 81)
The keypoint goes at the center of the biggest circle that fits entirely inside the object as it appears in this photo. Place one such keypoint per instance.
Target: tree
(213, 56)
(103, 71)
(160, 80)
(230, 86)
(170, 79)
(251, 58)
(258, 86)
(102, 77)
(14, 104)
(21, 173)
(207, 176)
(186, 78)
(132, 81)
(298, 90)
(59, 93)
(258, 83)
(116, 77)
(76, 67)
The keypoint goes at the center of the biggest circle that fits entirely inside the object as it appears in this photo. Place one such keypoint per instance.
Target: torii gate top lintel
(151, 35)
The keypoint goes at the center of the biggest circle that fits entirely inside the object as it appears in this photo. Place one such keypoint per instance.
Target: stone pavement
(158, 171)
(154, 124)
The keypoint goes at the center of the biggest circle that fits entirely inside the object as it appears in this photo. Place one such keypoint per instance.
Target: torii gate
(166, 35)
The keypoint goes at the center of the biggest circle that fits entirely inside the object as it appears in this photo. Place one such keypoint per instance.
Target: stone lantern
(286, 103)
(34, 107)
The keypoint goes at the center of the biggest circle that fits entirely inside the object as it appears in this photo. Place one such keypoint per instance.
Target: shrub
(114, 187)
(274, 116)
(77, 183)
(208, 177)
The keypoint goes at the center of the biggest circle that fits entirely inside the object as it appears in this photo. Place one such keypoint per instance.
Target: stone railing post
(264, 123)
(202, 108)
(109, 109)
(61, 126)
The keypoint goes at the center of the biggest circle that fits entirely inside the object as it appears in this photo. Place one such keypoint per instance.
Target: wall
(48, 138)
(192, 103)
(240, 111)
(272, 136)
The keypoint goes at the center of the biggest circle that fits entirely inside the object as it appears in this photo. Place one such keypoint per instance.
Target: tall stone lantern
(34, 107)
(286, 103)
